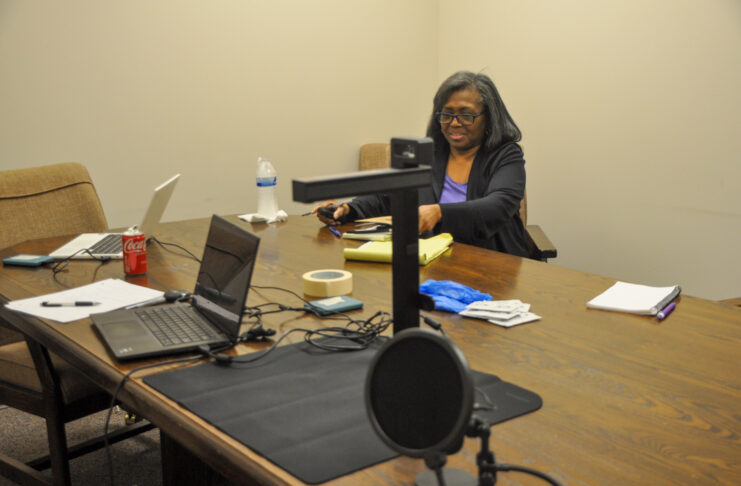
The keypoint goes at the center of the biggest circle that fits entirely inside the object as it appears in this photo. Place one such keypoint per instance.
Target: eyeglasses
(464, 119)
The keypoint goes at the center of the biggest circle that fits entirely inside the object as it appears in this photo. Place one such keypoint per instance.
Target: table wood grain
(626, 399)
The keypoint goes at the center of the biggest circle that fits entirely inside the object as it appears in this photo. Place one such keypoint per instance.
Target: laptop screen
(225, 274)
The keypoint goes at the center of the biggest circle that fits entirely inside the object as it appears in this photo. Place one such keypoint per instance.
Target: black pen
(307, 214)
(77, 303)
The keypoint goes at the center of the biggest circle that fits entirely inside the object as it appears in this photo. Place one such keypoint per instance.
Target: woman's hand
(339, 212)
(429, 216)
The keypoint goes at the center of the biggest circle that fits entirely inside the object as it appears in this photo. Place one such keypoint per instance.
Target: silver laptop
(108, 245)
(214, 315)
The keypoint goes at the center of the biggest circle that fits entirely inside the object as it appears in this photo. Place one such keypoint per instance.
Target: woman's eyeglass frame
(464, 119)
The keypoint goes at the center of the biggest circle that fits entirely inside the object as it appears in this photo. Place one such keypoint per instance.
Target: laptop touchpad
(125, 330)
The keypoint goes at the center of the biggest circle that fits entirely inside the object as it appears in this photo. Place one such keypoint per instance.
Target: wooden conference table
(627, 399)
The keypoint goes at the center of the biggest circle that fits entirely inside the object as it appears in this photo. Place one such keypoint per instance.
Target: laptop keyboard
(109, 245)
(176, 324)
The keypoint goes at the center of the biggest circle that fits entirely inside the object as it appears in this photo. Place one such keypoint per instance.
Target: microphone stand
(485, 460)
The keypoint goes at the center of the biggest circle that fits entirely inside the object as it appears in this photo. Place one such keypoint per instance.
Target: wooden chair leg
(58, 449)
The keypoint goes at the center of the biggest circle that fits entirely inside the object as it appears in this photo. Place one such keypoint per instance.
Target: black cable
(527, 470)
(250, 358)
(61, 265)
(310, 309)
(359, 339)
(165, 244)
(256, 333)
(354, 336)
(264, 287)
(433, 324)
(102, 262)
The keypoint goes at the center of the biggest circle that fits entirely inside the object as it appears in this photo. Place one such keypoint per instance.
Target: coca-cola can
(134, 245)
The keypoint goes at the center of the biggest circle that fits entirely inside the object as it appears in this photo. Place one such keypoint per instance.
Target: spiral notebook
(635, 298)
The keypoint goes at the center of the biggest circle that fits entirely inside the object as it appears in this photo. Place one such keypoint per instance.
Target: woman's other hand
(429, 216)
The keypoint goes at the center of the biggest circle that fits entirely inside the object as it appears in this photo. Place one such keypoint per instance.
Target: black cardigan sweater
(490, 216)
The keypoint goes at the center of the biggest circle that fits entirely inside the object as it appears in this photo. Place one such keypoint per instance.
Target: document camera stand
(410, 161)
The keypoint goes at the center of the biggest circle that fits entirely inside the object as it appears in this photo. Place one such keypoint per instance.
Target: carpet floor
(136, 460)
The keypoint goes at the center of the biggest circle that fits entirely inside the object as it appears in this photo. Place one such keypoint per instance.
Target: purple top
(453, 192)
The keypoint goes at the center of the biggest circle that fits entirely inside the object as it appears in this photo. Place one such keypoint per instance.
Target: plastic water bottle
(267, 204)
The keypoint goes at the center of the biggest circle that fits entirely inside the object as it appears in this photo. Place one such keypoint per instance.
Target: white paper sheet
(110, 293)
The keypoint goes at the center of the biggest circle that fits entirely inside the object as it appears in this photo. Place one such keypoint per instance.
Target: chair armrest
(547, 249)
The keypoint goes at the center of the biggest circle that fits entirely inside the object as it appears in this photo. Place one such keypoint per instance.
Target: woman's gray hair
(500, 127)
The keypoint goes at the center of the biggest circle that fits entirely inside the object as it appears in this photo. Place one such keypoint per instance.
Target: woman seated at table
(478, 175)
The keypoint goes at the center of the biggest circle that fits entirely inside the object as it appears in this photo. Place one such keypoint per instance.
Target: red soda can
(134, 245)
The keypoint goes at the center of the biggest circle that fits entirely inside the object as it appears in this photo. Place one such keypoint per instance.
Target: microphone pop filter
(419, 393)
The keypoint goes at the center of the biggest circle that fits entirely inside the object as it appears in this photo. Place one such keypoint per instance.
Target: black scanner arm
(400, 182)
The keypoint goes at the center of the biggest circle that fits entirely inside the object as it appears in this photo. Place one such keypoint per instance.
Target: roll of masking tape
(327, 282)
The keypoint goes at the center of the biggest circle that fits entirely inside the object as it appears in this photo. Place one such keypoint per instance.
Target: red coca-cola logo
(135, 245)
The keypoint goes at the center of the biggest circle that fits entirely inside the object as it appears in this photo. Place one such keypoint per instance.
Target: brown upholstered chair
(48, 201)
(35, 203)
(378, 156)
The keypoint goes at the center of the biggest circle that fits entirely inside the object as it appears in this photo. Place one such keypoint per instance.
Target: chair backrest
(375, 156)
(48, 201)
(378, 156)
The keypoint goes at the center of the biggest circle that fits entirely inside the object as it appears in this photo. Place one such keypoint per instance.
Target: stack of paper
(634, 298)
(381, 251)
(505, 313)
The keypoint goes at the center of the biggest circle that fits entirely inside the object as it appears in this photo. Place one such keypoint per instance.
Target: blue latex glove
(451, 296)
(447, 304)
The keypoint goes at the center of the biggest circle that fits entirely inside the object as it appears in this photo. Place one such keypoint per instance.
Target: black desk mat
(303, 408)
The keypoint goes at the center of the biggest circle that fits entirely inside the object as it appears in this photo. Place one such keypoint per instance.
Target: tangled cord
(166, 244)
(355, 335)
(61, 265)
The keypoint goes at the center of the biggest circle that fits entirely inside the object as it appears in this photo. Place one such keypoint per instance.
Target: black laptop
(214, 315)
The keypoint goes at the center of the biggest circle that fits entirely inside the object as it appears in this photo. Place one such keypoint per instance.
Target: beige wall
(631, 118)
(630, 110)
(140, 90)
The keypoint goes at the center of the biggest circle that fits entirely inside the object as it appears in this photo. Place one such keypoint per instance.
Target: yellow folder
(380, 251)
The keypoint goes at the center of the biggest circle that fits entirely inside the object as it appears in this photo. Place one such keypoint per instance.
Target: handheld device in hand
(328, 212)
